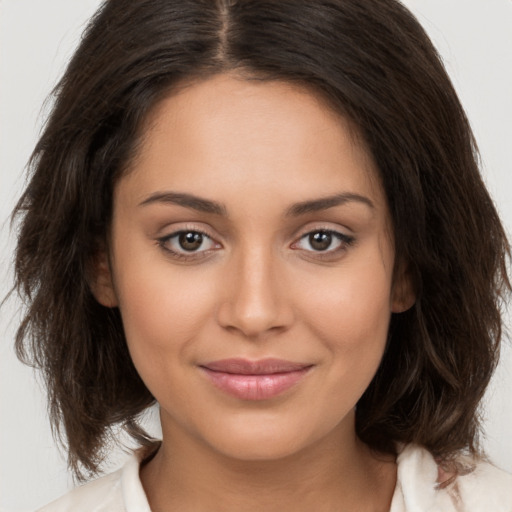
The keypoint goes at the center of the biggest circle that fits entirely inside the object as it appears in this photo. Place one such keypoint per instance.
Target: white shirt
(485, 489)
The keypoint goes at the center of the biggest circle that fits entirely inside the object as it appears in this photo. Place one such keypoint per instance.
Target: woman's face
(252, 262)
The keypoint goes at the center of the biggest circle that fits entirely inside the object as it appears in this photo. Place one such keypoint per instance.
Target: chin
(262, 440)
(259, 450)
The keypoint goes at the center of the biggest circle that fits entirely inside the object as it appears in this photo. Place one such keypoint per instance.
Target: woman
(267, 217)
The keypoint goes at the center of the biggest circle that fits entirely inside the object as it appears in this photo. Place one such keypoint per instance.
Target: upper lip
(261, 367)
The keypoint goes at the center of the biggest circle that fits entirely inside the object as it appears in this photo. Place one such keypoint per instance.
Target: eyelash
(184, 256)
(345, 242)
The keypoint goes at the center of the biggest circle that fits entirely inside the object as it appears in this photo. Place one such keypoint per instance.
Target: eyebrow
(207, 206)
(188, 201)
(325, 203)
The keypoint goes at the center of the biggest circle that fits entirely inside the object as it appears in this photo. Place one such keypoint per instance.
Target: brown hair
(375, 65)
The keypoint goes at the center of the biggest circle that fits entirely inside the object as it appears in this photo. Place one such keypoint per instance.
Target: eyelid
(312, 227)
(337, 234)
(346, 240)
(170, 229)
(162, 242)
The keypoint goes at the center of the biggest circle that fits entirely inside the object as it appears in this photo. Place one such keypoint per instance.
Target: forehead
(256, 134)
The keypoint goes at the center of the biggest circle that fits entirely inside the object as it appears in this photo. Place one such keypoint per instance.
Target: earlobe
(101, 282)
(403, 294)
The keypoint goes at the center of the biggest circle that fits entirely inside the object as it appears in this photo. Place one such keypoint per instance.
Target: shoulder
(98, 495)
(120, 491)
(486, 488)
(479, 486)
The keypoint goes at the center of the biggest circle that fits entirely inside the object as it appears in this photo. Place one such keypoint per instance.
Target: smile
(254, 380)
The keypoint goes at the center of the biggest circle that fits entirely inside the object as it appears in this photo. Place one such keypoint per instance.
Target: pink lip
(254, 380)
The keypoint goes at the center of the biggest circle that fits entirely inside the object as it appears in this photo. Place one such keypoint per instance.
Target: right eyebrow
(186, 200)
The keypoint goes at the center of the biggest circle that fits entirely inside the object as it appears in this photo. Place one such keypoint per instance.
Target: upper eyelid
(343, 237)
(181, 254)
(219, 238)
(313, 228)
(332, 231)
(177, 232)
(169, 231)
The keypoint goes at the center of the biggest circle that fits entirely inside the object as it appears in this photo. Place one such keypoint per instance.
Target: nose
(255, 301)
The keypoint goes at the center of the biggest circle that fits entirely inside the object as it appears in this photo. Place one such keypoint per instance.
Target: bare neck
(337, 474)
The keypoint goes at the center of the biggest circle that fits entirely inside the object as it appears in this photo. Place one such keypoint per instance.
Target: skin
(255, 288)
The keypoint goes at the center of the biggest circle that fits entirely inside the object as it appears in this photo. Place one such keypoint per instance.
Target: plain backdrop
(37, 38)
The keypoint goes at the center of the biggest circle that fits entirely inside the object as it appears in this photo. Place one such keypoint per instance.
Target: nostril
(253, 320)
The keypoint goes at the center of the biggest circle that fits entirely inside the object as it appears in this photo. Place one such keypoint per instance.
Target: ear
(101, 282)
(403, 295)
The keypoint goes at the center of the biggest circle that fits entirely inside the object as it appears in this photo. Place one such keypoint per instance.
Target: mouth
(255, 380)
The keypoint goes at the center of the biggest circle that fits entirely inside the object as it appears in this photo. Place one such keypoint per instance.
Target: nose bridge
(255, 302)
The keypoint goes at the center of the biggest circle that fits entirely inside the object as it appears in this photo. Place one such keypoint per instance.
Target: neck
(337, 473)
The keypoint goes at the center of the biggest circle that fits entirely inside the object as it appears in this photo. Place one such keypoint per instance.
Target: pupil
(321, 240)
(190, 241)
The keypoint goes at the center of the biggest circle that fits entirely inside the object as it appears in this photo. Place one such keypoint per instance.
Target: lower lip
(255, 387)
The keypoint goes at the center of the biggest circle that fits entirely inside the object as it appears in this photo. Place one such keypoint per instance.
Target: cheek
(163, 308)
(351, 311)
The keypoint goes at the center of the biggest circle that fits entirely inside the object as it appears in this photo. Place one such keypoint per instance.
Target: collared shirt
(483, 489)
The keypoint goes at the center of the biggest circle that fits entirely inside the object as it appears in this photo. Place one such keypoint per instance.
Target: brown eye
(320, 240)
(190, 240)
(326, 241)
(188, 244)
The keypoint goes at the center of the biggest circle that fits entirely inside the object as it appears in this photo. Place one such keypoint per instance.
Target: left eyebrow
(325, 203)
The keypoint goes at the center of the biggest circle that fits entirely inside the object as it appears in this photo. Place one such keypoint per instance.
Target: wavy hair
(373, 64)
